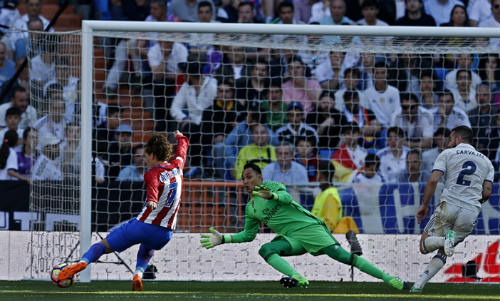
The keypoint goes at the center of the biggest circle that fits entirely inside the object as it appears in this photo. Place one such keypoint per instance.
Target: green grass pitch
(269, 290)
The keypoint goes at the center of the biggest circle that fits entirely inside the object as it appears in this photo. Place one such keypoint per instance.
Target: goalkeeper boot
(398, 284)
(70, 270)
(137, 284)
(354, 243)
(294, 281)
(449, 243)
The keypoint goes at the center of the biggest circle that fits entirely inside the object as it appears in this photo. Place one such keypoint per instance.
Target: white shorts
(451, 217)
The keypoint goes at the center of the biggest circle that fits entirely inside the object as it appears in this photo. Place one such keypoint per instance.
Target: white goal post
(91, 29)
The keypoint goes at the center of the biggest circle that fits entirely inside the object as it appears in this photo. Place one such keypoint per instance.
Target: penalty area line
(376, 296)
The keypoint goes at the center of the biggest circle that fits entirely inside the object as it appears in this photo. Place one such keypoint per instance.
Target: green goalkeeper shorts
(311, 239)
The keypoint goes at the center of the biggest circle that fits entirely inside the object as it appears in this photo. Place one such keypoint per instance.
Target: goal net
(367, 114)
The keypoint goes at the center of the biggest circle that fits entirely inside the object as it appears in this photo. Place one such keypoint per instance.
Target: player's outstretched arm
(281, 196)
(214, 239)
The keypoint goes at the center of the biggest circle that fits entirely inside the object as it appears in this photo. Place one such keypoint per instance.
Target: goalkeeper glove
(211, 240)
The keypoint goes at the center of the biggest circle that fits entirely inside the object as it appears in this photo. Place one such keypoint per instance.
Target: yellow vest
(328, 207)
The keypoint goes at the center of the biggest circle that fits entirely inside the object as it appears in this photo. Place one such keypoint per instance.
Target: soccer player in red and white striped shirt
(153, 227)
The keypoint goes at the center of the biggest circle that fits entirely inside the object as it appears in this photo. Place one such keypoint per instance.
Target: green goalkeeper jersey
(282, 214)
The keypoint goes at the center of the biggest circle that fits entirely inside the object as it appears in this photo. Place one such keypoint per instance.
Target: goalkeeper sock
(432, 243)
(434, 266)
(144, 255)
(281, 265)
(94, 253)
(338, 253)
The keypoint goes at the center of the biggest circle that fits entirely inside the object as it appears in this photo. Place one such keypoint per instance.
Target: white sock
(139, 272)
(437, 262)
(433, 243)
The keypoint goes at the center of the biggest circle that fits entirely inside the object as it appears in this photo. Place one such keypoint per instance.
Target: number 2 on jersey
(468, 168)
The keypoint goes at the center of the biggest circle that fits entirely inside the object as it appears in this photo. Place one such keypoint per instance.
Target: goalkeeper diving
(299, 231)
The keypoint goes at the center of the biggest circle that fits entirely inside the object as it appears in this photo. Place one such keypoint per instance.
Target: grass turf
(269, 290)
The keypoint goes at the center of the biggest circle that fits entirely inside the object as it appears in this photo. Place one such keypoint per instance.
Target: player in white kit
(468, 183)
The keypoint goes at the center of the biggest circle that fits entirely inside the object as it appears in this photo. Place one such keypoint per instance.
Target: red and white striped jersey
(164, 186)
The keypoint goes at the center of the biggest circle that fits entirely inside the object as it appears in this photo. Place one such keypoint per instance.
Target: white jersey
(466, 169)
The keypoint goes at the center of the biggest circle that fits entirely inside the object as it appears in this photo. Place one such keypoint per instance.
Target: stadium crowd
(377, 117)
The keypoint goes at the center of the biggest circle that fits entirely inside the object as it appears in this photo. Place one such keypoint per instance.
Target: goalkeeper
(299, 231)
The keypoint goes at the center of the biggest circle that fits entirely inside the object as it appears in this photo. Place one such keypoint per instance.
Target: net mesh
(283, 102)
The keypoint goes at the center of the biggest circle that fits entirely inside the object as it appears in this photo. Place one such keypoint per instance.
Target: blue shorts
(136, 232)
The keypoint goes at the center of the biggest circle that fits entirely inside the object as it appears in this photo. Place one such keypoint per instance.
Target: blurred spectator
(120, 151)
(319, 10)
(302, 10)
(27, 155)
(382, 98)
(493, 21)
(274, 106)
(246, 13)
(404, 72)
(350, 157)
(8, 158)
(464, 62)
(105, 132)
(195, 95)
(313, 57)
(47, 167)
(233, 63)
(217, 122)
(326, 120)
(427, 86)
(135, 171)
(351, 81)
(413, 171)
(440, 143)
(228, 12)
(465, 93)
(187, 10)
(415, 121)
(71, 152)
(370, 10)
(447, 114)
(8, 15)
(19, 99)
(307, 156)
(483, 120)
(489, 71)
(440, 10)
(201, 47)
(285, 169)
(330, 73)
(54, 122)
(337, 14)
(164, 58)
(251, 89)
(415, 15)
(299, 88)
(259, 152)
(370, 172)
(296, 126)
(365, 119)
(286, 16)
(7, 66)
(69, 85)
(367, 69)
(239, 137)
(479, 10)
(43, 65)
(458, 17)
(12, 120)
(393, 157)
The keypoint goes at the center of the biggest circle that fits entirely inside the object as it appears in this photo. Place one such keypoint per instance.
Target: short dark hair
(326, 93)
(369, 3)
(415, 151)
(372, 159)
(463, 70)
(159, 146)
(327, 169)
(445, 92)
(13, 111)
(285, 4)
(464, 132)
(351, 95)
(253, 166)
(353, 70)
(350, 127)
(276, 83)
(138, 146)
(380, 65)
(396, 130)
(244, 3)
(162, 3)
(17, 89)
(411, 96)
(442, 131)
(205, 3)
(112, 110)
